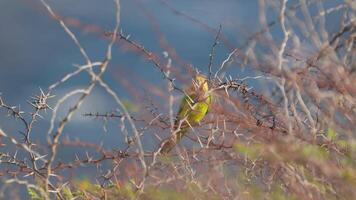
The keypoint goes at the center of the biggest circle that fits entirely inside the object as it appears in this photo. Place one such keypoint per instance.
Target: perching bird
(192, 110)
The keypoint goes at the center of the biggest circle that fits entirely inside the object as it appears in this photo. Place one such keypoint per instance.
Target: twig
(212, 51)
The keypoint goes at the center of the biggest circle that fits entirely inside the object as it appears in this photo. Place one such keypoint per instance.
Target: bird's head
(200, 82)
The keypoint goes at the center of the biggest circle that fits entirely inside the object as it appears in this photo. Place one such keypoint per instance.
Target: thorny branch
(295, 132)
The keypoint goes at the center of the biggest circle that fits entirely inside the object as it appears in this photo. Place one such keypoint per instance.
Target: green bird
(193, 108)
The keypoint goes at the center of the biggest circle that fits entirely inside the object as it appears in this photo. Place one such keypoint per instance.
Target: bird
(193, 108)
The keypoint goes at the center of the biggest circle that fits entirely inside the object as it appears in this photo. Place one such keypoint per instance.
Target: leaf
(252, 151)
(315, 151)
(331, 134)
(67, 193)
(34, 195)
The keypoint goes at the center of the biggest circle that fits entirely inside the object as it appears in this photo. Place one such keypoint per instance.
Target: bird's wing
(186, 106)
(209, 100)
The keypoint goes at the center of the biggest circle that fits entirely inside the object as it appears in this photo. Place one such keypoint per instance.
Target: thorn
(40, 157)
(227, 93)
(29, 174)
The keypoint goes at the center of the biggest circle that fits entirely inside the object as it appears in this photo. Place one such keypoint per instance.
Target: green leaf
(315, 151)
(67, 193)
(252, 151)
(331, 134)
(34, 195)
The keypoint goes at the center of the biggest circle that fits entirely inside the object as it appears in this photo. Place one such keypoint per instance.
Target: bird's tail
(168, 144)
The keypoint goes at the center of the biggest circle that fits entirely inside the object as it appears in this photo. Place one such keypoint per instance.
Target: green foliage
(84, 187)
(349, 175)
(314, 151)
(278, 194)
(191, 191)
(252, 151)
(164, 194)
(67, 193)
(127, 191)
(331, 134)
(34, 194)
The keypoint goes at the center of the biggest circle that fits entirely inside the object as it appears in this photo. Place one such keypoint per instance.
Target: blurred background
(35, 52)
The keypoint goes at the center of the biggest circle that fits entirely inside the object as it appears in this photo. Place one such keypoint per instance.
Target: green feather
(193, 110)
